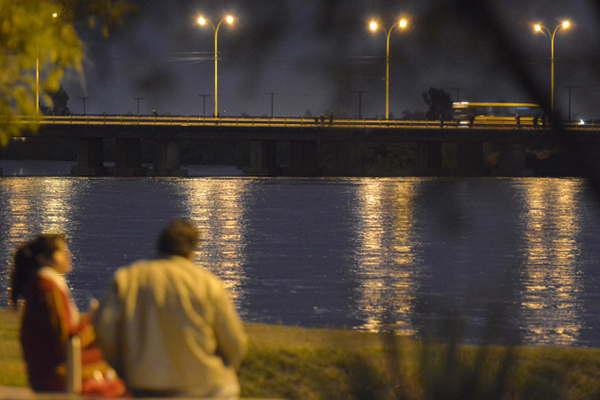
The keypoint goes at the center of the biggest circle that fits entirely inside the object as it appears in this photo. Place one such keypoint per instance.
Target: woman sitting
(50, 319)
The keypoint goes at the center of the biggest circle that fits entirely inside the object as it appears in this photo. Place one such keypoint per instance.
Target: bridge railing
(317, 122)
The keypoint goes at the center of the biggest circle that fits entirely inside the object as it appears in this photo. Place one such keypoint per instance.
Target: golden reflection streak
(19, 209)
(55, 204)
(35, 206)
(386, 273)
(217, 209)
(551, 283)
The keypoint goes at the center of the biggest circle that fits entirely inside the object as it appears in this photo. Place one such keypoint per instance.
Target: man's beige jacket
(169, 325)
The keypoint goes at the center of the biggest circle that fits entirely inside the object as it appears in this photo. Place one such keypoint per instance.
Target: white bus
(478, 113)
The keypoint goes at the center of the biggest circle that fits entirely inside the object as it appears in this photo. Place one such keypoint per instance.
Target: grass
(300, 363)
(12, 369)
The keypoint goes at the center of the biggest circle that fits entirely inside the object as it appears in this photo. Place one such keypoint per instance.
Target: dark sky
(315, 53)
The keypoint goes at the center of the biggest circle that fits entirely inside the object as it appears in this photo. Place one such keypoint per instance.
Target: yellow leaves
(5, 27)
(43, 30)
(52, 81)
(92, 22)
(29, 32)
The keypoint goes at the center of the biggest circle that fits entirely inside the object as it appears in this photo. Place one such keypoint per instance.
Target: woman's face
(61, 258)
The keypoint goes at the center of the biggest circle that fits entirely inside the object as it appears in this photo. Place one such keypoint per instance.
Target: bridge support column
(90, 158)
(429, 158)
(263, 157)
(343, 158)
(166, 159)
(470, 159)
(304, 158)
(129, 157)
(512, 160)
(449, 158)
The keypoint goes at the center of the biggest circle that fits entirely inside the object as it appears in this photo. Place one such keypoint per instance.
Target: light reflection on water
(386, 269)
(34, 205)
(217, 209)
(37, 205)
(551, 281)
(358, 253)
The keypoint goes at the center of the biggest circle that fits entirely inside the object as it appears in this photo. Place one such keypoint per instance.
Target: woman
(50, 319)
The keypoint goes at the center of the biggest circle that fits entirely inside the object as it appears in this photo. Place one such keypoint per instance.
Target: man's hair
(179, 238)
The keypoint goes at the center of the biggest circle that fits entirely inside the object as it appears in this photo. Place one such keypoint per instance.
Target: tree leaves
(43, 30)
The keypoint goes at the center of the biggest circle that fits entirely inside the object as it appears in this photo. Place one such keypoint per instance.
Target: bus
(470, 113)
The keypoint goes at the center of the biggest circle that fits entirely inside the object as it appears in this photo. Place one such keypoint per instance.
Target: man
(169, 326)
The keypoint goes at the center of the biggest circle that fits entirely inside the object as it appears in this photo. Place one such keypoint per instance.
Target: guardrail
(334, 123)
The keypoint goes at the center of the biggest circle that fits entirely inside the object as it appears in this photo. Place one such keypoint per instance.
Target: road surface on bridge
(245, 122)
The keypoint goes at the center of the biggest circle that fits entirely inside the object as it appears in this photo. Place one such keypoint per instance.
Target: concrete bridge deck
(327, 147)
(311, 123)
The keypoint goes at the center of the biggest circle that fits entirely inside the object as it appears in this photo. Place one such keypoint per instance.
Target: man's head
(179, 238)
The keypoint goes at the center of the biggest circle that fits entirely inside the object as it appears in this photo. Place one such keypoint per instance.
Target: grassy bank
(335, 364)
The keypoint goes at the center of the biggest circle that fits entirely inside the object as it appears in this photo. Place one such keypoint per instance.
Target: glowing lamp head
(54, 15)
(537, 28)
(230, 19)
(373, 25)
(566, 24)
(403, 23)
(201, 20)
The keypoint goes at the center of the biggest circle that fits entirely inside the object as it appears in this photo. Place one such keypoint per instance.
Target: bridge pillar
(129, 157)
(470, 159)
(263, 157)
(166, 159)
(429, 158)
(304, 158)
(588, 163)
(343, 158)
(449, 158)
(512, 160)
(90, 158)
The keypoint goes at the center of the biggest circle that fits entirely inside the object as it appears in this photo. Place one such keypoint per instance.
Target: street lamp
(374, 26)
(202, 21)
(539, 28)
(55, 15)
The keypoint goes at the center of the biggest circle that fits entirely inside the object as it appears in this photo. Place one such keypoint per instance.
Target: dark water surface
(357, 253)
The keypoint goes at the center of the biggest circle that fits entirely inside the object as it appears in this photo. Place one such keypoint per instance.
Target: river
(365, 254)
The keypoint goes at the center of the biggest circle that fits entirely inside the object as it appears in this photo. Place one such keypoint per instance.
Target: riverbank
(296, 363)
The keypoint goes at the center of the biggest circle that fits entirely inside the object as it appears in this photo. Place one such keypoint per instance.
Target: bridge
(323, 146)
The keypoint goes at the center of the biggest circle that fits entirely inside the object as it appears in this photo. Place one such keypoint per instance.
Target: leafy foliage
(28, 32)
(43, 30)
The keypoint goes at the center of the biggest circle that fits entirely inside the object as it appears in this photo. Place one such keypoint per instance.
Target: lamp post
(55, 15)
(203, 21)
(37, 81)
(540, 28)
(375, 26)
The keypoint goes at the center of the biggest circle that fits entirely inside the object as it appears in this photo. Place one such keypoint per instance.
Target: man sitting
(169, 327)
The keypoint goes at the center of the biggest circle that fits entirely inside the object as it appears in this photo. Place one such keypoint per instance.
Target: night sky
(316, 54)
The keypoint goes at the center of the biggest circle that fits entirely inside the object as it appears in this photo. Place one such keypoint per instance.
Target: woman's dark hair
(27, 261)
(179, 238)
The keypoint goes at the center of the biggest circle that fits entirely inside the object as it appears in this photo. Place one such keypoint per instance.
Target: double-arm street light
(203, 22)
(565, 25)
(375, 26)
